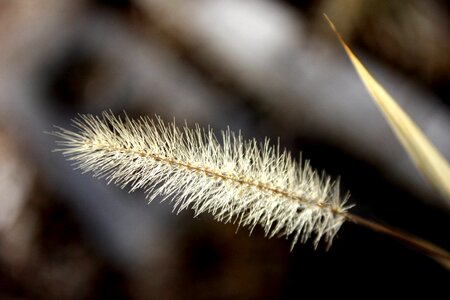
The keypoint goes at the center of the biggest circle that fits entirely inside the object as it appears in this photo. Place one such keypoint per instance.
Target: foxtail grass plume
(239, 181)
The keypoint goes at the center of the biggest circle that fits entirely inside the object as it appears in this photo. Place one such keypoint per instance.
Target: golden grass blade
(433, 166)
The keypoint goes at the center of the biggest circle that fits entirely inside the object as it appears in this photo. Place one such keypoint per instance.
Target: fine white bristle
(238, 181)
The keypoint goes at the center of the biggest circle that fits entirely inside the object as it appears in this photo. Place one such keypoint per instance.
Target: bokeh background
(268, 68)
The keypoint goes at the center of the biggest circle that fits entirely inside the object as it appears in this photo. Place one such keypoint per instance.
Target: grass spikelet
(240, 181)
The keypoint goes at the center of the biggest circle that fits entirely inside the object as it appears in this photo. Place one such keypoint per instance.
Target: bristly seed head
(238, 181)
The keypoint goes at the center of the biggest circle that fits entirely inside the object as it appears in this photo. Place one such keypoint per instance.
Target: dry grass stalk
(234, 180)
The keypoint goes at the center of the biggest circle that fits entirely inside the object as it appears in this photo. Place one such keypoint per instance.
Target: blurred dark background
(269, 68)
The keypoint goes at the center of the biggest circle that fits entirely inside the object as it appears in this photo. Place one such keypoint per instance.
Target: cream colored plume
(238, 181)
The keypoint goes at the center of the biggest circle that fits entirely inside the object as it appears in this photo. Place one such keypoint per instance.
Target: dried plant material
(433, 166)
(234, 180)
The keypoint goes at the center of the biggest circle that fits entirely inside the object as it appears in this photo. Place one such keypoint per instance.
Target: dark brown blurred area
(268, 68)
